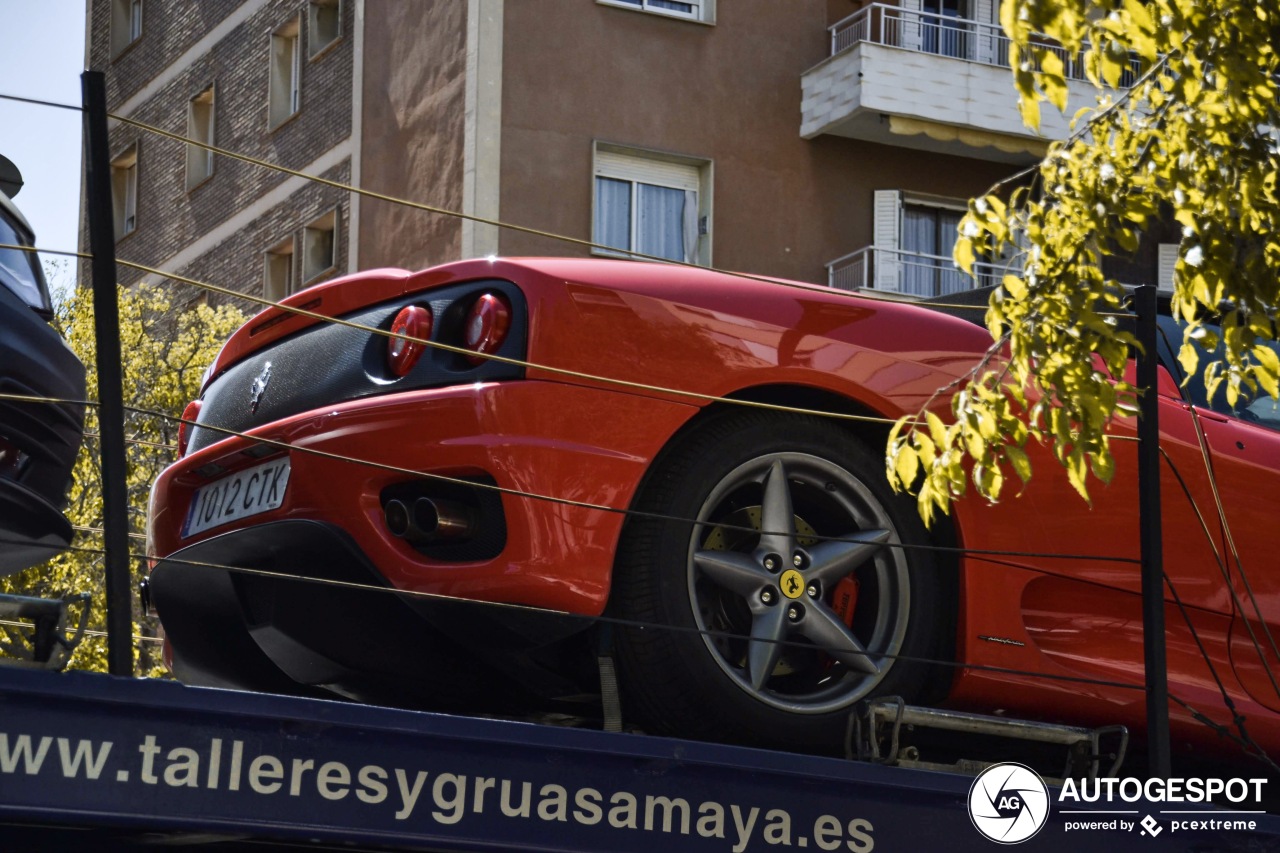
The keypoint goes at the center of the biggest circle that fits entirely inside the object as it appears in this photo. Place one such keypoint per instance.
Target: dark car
(38, 440)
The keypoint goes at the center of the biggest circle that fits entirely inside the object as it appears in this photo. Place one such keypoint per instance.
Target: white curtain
(919, 237)
(690, 227)
(660, 228)
(613, 213)
(950, 278)
(928, 238)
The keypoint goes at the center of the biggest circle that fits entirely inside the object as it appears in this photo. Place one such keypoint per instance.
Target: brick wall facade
(171, 218)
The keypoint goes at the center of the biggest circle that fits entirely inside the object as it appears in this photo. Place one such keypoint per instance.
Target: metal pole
(106, 326)
(1153, 635)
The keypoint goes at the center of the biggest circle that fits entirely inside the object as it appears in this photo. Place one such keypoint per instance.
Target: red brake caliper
(844, 599)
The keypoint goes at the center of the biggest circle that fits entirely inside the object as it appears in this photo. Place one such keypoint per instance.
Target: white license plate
(241, 495)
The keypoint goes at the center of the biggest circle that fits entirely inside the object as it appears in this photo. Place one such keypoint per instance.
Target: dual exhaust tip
(426, 520)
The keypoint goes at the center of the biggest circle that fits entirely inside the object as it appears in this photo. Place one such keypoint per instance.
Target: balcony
(932, 82)
(908, 273)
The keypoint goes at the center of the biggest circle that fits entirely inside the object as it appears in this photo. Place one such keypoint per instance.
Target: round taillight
(189, 415)
(413, 322)
(487, 325)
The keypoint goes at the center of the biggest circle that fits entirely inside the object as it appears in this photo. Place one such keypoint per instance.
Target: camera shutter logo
(1009, 803)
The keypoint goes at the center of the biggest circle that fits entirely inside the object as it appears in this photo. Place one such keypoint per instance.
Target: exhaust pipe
(427, 520)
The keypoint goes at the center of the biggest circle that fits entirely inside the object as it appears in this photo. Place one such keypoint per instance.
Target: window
(942, 30)
(200, 128)
(698, 10)
(965, 29)
(928, 238)
(126, 24)
(324, 25)
(319, 247)
(277, 271)
(650, 206)
(914, 239)
(124, 191)
(284, 99)
(20, 271)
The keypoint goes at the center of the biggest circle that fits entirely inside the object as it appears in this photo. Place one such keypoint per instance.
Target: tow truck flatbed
(95, 762)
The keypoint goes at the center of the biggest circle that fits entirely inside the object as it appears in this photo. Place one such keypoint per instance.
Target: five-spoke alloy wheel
(788, 600)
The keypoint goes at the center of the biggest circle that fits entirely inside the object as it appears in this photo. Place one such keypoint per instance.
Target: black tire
(714, 676)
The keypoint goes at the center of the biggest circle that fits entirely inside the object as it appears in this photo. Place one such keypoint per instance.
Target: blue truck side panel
(94, 751)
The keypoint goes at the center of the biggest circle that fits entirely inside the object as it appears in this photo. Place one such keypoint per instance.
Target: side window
(20, 271)
(1255, 407)
(1262, 409)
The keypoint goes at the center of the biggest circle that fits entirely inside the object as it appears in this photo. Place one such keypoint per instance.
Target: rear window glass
(19, 270)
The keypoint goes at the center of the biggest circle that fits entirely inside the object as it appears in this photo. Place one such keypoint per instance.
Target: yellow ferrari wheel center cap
(791, 583)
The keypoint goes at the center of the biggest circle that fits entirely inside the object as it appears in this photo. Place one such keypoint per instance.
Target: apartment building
(830, 141)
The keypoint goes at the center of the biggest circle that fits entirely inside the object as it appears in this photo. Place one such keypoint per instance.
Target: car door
(1245, 454)
(1243, 446)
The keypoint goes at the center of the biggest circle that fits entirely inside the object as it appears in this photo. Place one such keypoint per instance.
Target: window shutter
(888, 227)
(908, 21)
(660, 172)
(985, 13)
(1166, 258)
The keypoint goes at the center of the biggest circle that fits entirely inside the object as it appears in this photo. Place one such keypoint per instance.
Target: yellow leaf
(937, 429)
(963, 253)
(1188, 357)
(1112, 67)
(1014, 286)
(1018, 459)
(907, 466)
(924, 504)
(1029, 108)
(1055, 91)
(1269, 369)
(974, 444)
(928, 453)
(1103, 465)
(1076, 470)
(987, 426)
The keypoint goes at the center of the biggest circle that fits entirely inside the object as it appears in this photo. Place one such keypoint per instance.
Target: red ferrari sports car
(446, 525)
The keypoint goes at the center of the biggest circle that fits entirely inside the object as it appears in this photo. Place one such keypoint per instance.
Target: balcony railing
(944, 35)
(909, 273)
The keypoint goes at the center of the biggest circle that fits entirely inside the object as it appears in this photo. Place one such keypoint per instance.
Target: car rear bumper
(31, 529)
(291, 603)
(36, 363)
(574, 444)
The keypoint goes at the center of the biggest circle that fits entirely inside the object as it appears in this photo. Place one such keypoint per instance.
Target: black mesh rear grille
(329, 363)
